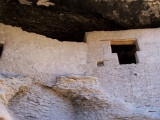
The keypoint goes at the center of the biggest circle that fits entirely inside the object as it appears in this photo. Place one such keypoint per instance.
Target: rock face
(4, 114)
(41, 103)
(130, 13)
(63, 22)
(10, 85)
(68, 20)
(89, 101)
(92, 103)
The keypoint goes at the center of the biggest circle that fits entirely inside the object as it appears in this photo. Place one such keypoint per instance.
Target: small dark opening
(1, 49)
(126, 53)
(100, 63)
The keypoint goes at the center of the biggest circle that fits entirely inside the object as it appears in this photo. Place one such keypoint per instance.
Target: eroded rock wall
(69, 98)
(70, 19)
(92, 103)
(10, 85)
(41, 103)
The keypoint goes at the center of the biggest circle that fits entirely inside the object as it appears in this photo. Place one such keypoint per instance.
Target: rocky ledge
(90, 101)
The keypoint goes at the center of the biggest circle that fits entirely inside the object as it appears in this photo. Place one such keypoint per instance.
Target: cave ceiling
(68, 20)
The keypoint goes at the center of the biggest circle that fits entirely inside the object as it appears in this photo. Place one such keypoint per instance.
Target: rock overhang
(69, 20)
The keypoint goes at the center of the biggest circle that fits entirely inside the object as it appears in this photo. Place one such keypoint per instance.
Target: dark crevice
(1, 49)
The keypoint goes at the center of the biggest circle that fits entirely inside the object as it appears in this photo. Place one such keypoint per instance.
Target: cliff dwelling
(79, 60)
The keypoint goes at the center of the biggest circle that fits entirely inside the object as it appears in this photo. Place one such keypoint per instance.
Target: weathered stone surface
(4, 114)
(25, 2)
(58, 21)
(130, 13)
(45, 3)
(89, 100)
(28, 99)
(68, 20)
(136, 83)
(92, 103)
(129, 91)
(10, 85)
(41, 103)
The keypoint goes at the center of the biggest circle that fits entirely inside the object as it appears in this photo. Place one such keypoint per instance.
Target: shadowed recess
(1, 49)
(126, 53)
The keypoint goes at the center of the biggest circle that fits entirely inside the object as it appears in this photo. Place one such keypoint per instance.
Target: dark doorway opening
(1, 49)
(126, 53)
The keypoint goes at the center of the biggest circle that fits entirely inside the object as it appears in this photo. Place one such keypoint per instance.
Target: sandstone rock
(10, 86)
(92, 103)
(45, 3)
(25, 2)
(4, 114)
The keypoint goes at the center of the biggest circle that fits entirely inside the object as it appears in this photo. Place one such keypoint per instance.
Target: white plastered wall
(137, 83)
(43, 59)
(40, 57)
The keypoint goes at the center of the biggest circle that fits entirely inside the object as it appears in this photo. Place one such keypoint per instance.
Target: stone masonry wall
(137, 83)
(31, 88)
(39, 57)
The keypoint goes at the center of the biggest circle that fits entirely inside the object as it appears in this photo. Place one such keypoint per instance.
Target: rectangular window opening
(125, 49)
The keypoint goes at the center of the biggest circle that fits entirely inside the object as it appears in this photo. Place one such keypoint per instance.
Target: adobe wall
(39, 60)
(137, 83)
(39, 57)
(42, 60)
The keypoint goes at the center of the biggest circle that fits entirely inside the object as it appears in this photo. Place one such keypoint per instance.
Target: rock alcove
(68, 20)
